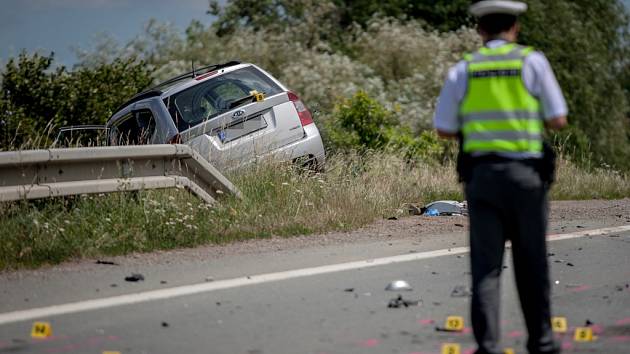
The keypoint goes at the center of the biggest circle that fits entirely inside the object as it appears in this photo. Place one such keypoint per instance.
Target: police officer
(498, 102)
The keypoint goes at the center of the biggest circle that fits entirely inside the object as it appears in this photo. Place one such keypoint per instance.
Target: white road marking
(80, 306)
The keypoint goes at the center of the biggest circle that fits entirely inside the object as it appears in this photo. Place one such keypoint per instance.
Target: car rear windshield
(218, 95)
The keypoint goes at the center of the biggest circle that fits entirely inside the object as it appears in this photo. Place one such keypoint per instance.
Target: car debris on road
(461, 291)
(398, 285)
(399, 302)
(106, 262)
(135, 277)
(446, 207)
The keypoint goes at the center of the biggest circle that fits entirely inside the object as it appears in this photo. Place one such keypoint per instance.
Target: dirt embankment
(565, 216)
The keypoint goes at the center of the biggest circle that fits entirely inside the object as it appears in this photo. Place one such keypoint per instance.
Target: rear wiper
(254, 96)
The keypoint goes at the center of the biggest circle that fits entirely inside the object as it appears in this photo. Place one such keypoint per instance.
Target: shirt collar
(495, 43)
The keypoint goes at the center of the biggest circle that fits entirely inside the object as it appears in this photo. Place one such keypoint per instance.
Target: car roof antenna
(192, 64)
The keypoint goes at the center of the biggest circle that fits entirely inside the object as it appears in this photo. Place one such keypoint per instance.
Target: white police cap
(488, 7)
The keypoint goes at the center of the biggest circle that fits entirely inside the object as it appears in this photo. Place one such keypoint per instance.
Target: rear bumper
(310, 146)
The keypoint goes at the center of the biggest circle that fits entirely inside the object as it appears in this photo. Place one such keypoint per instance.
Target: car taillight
(305, 115)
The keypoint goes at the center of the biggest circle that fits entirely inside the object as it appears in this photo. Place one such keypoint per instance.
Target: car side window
(135, 128)
(146, 125)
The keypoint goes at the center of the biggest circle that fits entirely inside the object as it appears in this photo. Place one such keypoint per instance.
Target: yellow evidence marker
(41, 330)
(508, 351)
(258, 96)
(451, 348)
(583, 334)
(559, 324)
(454, 323)
(110, 352)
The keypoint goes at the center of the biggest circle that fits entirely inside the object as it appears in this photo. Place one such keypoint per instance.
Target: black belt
(492, 158)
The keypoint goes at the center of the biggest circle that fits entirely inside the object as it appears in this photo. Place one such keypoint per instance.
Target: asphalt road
(324, 309)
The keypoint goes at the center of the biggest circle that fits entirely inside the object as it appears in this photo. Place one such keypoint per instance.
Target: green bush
(426, 146)
(358, 123)
(361, 123)
(36, 97)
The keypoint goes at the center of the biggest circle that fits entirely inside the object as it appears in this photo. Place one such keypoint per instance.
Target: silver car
(231, 113)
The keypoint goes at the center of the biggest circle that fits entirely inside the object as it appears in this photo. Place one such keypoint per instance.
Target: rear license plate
(241, 129)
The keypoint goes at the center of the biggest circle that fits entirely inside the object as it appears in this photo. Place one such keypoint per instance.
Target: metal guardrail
(34, 174)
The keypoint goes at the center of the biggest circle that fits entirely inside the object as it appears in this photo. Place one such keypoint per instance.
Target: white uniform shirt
(538, 78)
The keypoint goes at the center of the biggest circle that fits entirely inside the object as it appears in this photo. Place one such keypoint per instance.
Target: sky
(60, 25)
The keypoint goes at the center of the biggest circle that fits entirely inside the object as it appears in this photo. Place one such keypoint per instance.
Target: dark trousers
(508, 201)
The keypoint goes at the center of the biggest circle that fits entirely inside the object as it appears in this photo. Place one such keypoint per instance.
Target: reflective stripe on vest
(498, 114)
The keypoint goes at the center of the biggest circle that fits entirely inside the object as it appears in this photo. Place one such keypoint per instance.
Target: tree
(585, 42)
(439, 14)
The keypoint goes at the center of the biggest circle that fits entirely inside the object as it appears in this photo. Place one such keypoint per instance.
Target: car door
(135, 128)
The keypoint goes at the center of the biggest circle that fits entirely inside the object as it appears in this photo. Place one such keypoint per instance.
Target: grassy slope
(279, 200)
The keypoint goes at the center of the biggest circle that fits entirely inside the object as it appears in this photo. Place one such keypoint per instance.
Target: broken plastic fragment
(432, 212)
(106, 262)
(400, 302)
(461, 291)
(135, 277)
(398, 285)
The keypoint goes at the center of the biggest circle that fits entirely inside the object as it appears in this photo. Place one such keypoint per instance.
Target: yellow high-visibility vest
(498, 113)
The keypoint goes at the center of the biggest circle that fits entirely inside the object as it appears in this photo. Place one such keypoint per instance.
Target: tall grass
(587, 182)
(279, 199)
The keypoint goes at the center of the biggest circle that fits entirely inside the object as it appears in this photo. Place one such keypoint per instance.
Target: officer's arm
(556, 123)
(546, 87)
(446, 120)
